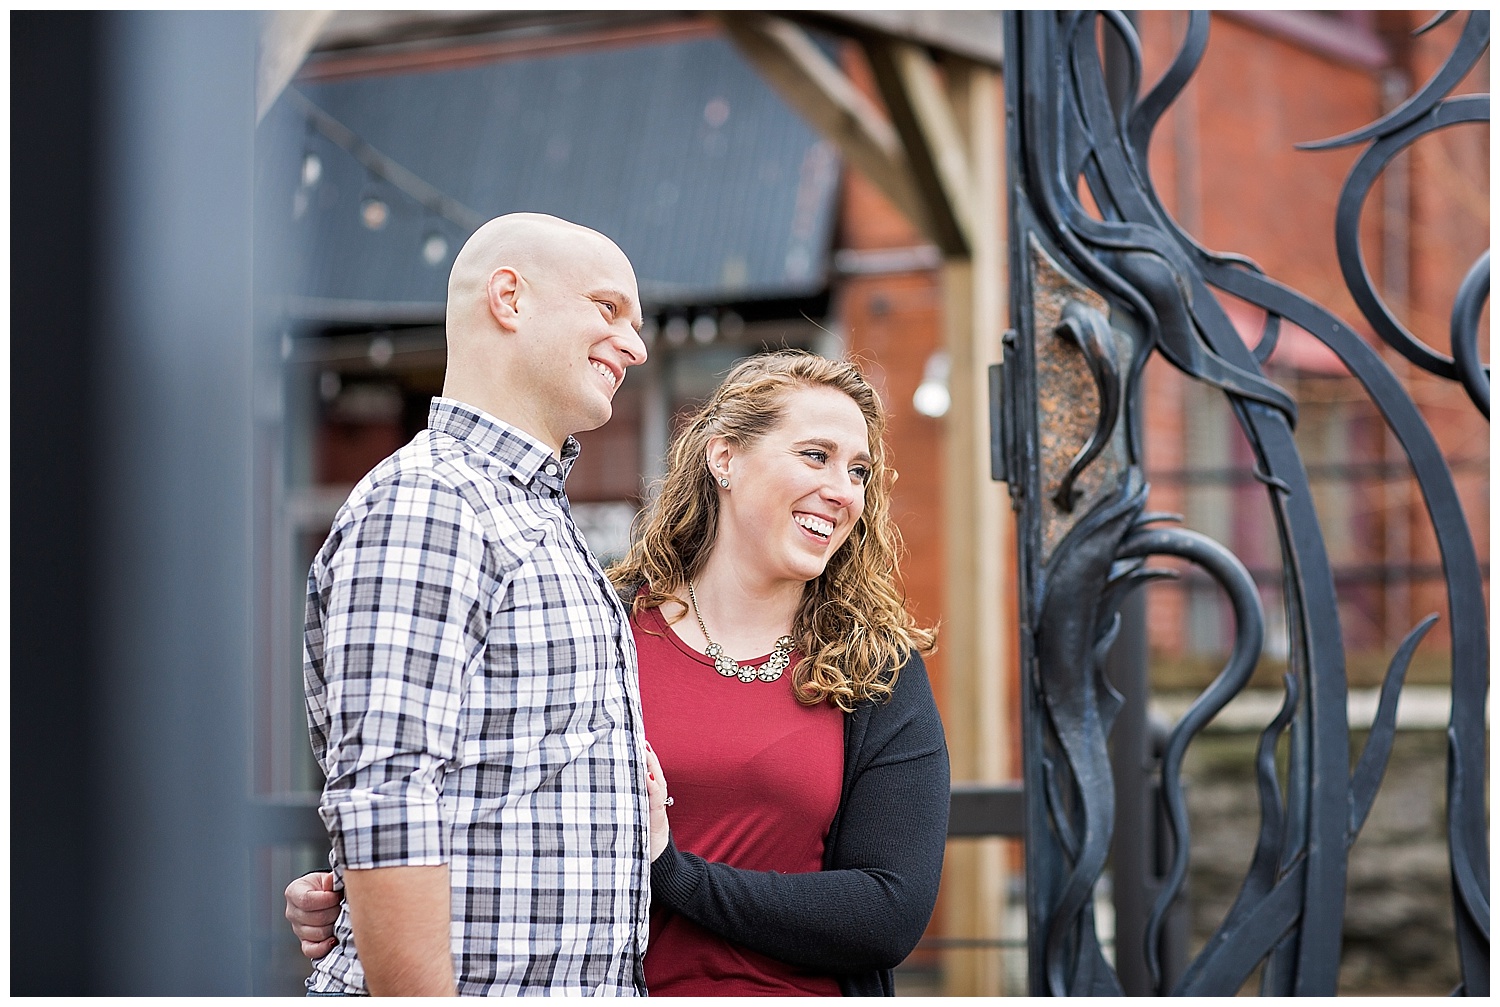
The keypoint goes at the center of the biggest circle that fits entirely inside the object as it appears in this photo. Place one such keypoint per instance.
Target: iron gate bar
(1092, 299)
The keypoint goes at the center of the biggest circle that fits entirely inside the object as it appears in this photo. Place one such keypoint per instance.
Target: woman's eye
(861, 474)
(817, 456)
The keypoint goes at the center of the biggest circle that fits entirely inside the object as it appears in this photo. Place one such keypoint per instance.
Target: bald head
(543, 320)
(533, 244)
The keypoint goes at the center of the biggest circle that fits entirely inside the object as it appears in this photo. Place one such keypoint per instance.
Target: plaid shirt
(472, 700)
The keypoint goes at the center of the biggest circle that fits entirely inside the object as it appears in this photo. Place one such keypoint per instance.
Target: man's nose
(632, 346)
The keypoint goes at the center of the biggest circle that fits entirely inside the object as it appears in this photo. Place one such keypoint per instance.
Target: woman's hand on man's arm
(312, 906)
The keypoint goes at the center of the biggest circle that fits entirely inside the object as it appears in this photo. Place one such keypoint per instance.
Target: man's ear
(503, 294)
(718, 455)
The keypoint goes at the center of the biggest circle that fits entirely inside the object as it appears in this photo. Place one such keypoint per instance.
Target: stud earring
(724, 481)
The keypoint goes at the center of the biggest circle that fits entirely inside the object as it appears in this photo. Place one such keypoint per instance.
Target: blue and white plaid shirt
(472, 700)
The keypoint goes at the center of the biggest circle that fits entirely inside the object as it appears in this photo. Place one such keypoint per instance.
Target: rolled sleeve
(405, 627)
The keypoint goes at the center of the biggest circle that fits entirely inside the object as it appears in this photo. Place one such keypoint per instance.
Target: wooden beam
(940, 120)
(976, 35)
(286, 37)
(914, 93)
(817, 89)
(391, 30)
(357, 43)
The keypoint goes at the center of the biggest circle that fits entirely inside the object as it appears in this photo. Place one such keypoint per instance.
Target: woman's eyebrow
(831, 447)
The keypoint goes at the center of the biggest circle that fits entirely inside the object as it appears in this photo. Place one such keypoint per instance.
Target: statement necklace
(727, 666)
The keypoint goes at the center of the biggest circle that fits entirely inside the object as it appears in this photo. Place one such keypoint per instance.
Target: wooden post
(938, 158)
(979, 611)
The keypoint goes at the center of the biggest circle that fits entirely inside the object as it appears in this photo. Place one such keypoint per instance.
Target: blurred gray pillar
(176, 567)
(160, 257)
(176, 572)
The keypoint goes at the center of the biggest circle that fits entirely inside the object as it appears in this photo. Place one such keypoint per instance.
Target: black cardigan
(862, 914)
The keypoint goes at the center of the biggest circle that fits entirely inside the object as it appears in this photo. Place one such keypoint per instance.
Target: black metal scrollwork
(1083, 547)
(1464, 329)
(1089, 329)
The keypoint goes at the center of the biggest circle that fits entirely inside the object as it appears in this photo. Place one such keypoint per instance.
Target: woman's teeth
(817, 526)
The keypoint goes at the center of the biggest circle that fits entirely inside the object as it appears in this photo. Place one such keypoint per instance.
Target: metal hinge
(1002, 443)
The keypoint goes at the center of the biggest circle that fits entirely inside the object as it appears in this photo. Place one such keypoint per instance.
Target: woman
(809, 786)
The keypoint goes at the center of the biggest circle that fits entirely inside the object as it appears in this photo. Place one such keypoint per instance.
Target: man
(469, 671)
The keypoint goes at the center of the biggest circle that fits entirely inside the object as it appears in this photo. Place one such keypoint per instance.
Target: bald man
(469, 671)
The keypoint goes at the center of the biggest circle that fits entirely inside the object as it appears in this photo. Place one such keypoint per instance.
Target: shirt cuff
(374, 830)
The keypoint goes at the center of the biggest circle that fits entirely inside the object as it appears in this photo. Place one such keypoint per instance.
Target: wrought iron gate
(1094, 295)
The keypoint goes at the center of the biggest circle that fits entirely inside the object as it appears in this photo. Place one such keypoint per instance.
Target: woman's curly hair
(852, 628)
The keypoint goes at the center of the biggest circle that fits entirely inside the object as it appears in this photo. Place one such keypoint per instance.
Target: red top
(755, 779)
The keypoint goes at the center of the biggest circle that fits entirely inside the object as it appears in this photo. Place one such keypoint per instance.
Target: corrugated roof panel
(714, 188)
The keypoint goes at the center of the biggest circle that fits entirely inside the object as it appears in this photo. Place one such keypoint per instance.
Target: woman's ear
(719, 454)
(502, 294)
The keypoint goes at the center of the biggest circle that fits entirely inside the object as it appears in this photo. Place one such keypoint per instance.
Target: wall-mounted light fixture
(931, 397)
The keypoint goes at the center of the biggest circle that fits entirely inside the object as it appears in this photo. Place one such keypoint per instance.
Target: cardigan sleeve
(869, 908)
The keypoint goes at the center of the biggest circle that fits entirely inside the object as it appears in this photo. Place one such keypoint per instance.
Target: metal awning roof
(713, 187)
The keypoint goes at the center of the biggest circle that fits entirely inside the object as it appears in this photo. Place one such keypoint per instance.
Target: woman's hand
(656, 790)
(312, 906)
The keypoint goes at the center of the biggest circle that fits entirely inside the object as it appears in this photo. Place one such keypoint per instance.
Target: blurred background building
(228, 280)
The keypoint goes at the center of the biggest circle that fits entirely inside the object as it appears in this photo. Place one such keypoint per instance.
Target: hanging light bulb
(312, 169)
(310, 173)
(705, 327)
(434, 248)
(381, 350)
(374, 212)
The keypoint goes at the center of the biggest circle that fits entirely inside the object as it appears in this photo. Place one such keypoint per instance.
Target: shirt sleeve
(405, 597)
(871, 906)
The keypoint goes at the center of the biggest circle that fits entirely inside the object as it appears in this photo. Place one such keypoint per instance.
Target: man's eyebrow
(626, 301)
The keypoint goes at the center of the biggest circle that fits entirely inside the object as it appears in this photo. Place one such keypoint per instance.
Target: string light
(374, 212)
(312, 169)
(705, 327)
(434, 248)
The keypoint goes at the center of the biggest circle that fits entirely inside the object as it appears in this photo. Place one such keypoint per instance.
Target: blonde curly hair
(852, 627)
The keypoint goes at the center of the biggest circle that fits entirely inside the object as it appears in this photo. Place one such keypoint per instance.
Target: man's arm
(401, 920)
(405, 600)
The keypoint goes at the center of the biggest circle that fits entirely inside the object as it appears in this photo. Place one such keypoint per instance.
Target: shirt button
(551, 469)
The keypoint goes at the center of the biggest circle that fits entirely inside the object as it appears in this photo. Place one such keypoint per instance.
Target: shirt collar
(530, 461)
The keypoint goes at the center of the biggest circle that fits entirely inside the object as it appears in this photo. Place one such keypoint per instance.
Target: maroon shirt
(755, 778)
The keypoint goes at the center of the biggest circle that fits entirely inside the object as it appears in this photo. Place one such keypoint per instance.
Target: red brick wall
(1226, 167)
